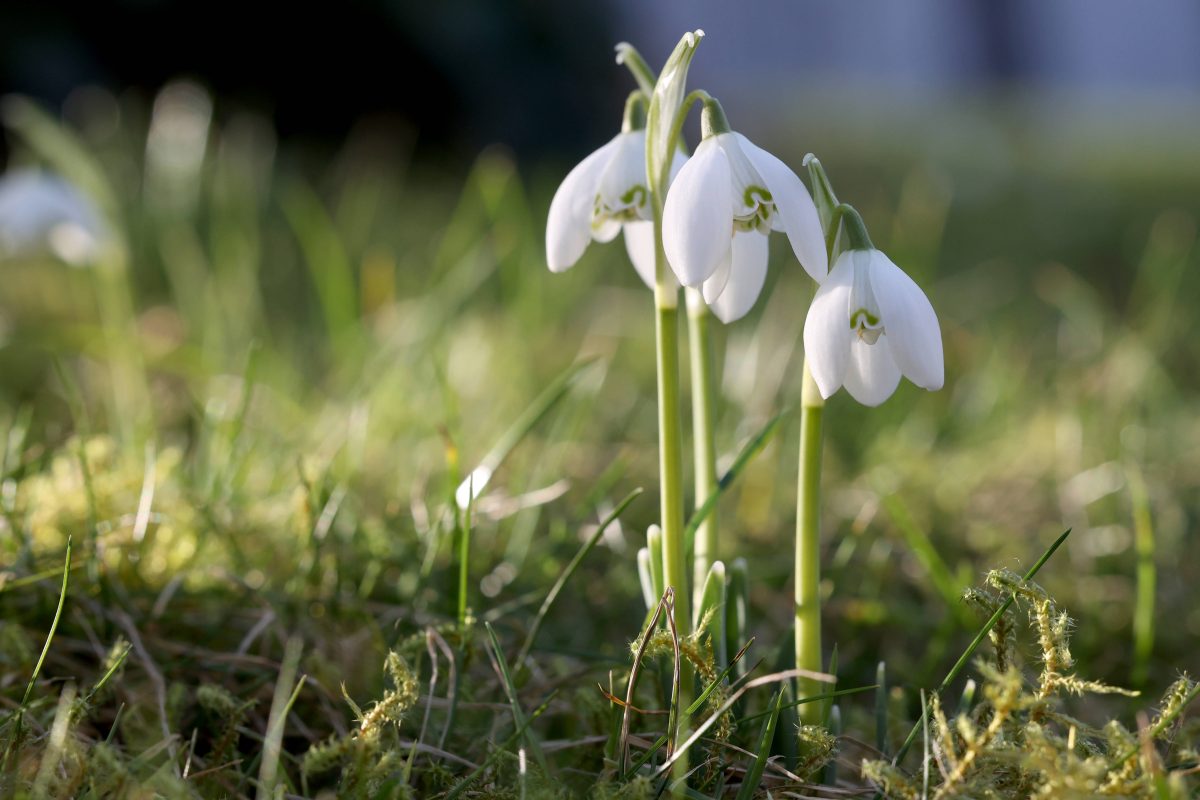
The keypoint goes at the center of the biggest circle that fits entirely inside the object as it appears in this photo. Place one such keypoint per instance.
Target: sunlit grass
(253, 418)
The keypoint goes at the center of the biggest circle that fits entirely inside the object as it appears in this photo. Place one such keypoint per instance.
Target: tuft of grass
(252, 422)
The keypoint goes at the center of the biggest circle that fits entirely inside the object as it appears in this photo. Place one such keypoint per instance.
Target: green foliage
(1019, 742)
(362, 762)
(264, 402)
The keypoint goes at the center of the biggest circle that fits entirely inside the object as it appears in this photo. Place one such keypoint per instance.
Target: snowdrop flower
(869, 323)
(727, 198)
(41, 212)
(601, 196)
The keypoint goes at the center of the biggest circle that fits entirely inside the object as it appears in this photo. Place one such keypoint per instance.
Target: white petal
(622, 183)
(680, 159)
(716, 283)
(747, 274)
(639, 243)
(911, 326)
(568, 226)
(606, 231)
(827, 333)
(697, 218)
(796, 212)
(871, 373)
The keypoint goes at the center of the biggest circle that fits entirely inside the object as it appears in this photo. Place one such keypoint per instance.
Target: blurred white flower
(603, 194)
(44, 213)
(869, 324)
(718, 212)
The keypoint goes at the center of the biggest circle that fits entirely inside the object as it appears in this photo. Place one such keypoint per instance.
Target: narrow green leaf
(754, 774)
(566, 574)
(511, 691)
(1147, 577)
(285, 696)
(665, 103)
(462, 785)
(922, 547)
(881, 709)
(474, 484)
(326, 257)
(979, 637)
(748, 452)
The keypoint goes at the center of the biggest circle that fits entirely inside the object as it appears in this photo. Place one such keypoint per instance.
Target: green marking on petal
(756, 196)
(636, 196)
(868, 318)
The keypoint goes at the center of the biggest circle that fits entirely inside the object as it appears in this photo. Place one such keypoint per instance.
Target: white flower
(41, 212)
(603, 194)
(869, 324)
(727, 198)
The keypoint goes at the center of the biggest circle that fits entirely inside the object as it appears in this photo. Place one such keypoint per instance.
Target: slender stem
(808, 545)
(703, 435)
(666, 330)
(669, 449)
(464, 553)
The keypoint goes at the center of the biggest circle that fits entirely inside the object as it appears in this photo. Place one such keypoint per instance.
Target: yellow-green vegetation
(1018, 742)
(252, 419)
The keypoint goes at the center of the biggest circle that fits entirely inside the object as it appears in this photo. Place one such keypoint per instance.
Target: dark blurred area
(436, 68)
(538, 76)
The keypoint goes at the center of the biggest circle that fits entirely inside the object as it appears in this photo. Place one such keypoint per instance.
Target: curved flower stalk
(603, 195)
(728, 197)
(868, 325)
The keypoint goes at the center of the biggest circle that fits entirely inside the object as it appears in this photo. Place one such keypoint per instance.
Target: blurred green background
(318, 298)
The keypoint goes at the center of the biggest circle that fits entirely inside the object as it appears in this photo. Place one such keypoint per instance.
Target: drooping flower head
(728, 197)
(603, 195)
(869, 323)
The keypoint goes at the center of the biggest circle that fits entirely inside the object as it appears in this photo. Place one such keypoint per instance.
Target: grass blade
(462, 785)
(474, 484)
(511, 691)
(754, 774)
(1161, 725)
(566, 574)
(464, 556)
(827, 705)
(711, 719)
(56, 743)
(931, 560)
(810, 699)
(925, 738)
(979, 637)
(1147, 577)
(326, 257)
(881, 709)
(644, 757)
(281, 704)
(14, 743)
(699, 701)
(62, 599)
(749, 451)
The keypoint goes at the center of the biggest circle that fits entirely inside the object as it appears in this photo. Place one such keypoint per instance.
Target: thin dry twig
(774, 677)
(451, 680)
(156, 678)
(633, 676)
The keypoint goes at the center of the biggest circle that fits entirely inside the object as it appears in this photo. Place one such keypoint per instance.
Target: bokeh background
(321, 299)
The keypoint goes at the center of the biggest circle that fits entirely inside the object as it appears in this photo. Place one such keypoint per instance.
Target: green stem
(1143, 609)
(670, 466)
(666, 330)
(464, 555)
(703, 435)
(808, 545)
